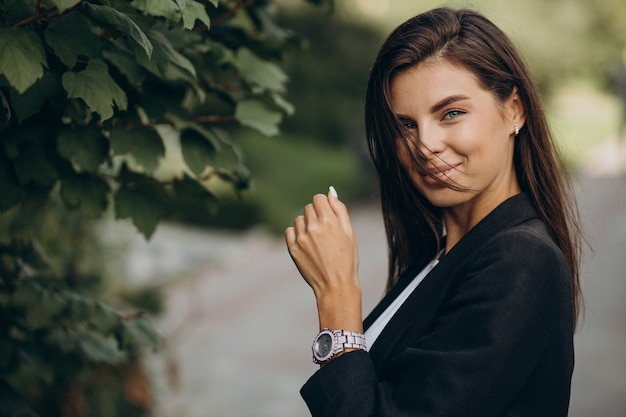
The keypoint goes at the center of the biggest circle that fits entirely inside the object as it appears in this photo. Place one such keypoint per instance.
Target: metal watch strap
(347, 340)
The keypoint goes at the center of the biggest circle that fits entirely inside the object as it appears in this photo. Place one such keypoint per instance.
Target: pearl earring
(516, 130)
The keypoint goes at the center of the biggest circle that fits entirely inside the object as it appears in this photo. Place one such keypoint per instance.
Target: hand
(322, 244)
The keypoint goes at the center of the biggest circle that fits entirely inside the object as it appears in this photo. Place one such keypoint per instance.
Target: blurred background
(236, 318)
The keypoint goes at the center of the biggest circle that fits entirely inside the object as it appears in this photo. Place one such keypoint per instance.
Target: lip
(443, 173)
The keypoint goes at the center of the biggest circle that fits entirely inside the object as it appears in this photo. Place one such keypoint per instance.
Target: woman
(483, 288)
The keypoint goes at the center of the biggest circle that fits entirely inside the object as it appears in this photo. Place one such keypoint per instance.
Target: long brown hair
(468, 39)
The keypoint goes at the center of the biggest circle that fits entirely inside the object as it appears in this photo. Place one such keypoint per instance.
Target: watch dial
(324, 344)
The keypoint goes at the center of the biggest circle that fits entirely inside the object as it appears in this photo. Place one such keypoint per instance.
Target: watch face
(323, 345)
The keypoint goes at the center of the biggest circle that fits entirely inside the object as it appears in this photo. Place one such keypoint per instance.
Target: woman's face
(465, 136)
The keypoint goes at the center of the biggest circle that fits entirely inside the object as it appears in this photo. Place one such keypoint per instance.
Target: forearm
(340, 308)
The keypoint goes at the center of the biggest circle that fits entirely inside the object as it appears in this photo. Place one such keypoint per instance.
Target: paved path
(599, 384)
(238, 328)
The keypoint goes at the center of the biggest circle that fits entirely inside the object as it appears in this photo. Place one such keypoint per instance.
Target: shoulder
(524, 257)
(526, 243)
(512, 230)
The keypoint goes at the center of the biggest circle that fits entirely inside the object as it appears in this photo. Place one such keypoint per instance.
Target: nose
(430, 140)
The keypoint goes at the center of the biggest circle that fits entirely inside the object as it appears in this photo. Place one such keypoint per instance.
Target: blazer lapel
(422, 307)
(392, 294)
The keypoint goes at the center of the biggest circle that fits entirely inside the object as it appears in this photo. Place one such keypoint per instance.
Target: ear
(515, 109)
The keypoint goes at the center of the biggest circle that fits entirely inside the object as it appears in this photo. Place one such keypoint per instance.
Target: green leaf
(283, 104)
(40, 305)
(163, 56)
(96, 88)
(160, 8)
(261, 73)
(98, 348)
(143, 204)
(239, 176)
(72, 37)
(130, 177)
(127, 65)
(33, 166)
(10, 191)
(193, 11)
(62, 340)
(140, 332)
(63, 5)
(43, 314)
(189, 189)
(25, 296)
(81, 307)
(5, 110)
(85, 192)
(22, 57)
(30, 253)
(32, 100)
(198, 152)
(39, 359)
(118, 22)
(221, 54)
(16, 10)
(104, 319)
(143, 143)
(227, 155)
(171, 54)
(87, 147)
(255, 114)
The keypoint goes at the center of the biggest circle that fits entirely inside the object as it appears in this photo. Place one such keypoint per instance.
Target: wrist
(341, 309)
(341, 314)
(329, 344)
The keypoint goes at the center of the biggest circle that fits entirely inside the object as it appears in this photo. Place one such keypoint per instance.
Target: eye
(408, 124)
(453, 114)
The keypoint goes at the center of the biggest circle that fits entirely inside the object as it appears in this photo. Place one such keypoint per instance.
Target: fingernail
(333, 192)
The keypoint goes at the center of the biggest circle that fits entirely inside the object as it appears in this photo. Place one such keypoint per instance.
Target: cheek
(404, 155)
(473, 141)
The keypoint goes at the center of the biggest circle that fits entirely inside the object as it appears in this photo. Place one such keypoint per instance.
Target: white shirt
(377, 327)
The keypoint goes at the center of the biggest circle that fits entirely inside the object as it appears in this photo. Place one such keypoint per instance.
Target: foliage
(121, 107)
(323, 142)
(329, 77)
(87, 84)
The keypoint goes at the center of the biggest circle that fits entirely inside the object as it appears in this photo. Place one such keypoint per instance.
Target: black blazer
(488, 332)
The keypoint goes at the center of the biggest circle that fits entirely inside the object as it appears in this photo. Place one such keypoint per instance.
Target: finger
(310, 214)
(340, 210)
(290, 235)
(322, 206)
(299, 226)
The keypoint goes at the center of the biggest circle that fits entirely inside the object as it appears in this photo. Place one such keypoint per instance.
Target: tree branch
(214, 119)
(43, 15)
(34, 17)
(200, 119)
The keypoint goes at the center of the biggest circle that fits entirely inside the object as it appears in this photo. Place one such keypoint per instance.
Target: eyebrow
(446, 101)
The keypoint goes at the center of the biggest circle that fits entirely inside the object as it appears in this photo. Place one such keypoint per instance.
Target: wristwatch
(329, 342)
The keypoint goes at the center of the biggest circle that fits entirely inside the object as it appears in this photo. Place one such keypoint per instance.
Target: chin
(446, 197)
